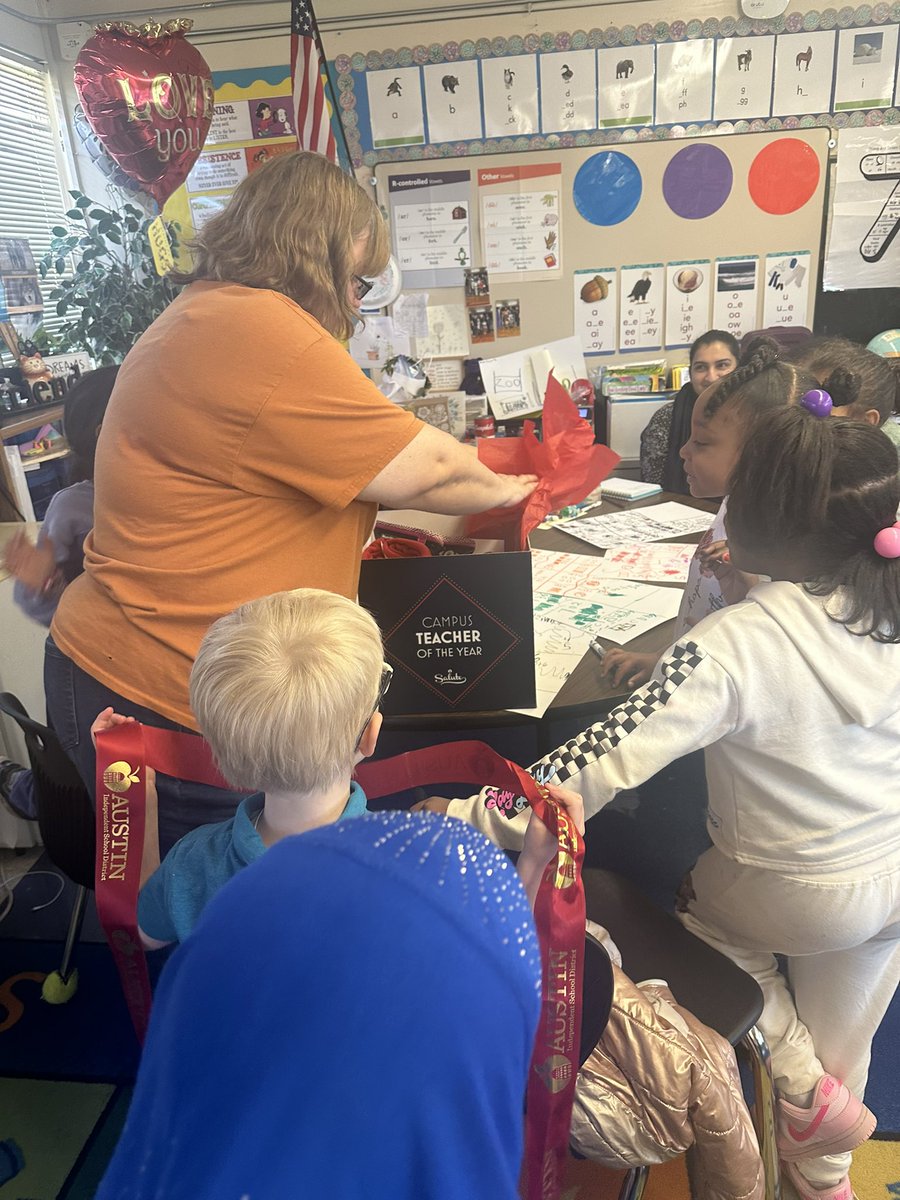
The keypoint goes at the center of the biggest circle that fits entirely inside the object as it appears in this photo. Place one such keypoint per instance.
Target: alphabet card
(865, 68)
(568, 91)
(736, 295)
(804, 73)
(787, 289)
(395, 107)
(641, 307)
(625, 85)
(687, 301)
(510, 95)
(596, 292)
(684, 81)
(743, 78)
(453, 101)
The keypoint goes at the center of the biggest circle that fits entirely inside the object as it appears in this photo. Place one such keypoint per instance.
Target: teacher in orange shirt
(243, 452)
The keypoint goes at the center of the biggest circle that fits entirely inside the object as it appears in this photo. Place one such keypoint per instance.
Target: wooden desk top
(587, 689)
(587, 685)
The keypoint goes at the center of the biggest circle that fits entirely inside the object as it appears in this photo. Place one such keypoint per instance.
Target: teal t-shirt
(203, 861)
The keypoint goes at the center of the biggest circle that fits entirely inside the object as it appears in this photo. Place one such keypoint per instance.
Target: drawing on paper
(876, 167)
(450, 83)
(744, 60)
(805, 57)
(395, 88)
(566, 72)
(624, 68)
(867, 49)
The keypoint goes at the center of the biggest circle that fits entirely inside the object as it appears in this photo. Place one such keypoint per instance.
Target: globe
(886, 344)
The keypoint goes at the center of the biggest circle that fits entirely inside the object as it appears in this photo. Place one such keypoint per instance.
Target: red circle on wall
(783, 176)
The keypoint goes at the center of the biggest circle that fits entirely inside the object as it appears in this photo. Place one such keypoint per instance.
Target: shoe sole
(849, 1139)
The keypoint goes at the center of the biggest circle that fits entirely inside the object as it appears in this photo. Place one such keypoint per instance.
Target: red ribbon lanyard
(121, 813)
(559, 916)
(121, 781)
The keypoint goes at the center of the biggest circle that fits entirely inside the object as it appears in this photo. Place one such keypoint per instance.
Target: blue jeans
(74, 699)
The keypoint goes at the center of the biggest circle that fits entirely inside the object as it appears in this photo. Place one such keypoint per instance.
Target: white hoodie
(801, 724)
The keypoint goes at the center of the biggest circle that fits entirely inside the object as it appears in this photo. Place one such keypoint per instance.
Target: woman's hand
(629, 667)
(520, 488)
(31, 565)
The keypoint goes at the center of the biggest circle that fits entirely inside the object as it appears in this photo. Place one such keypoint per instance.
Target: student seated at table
(712, 356)
(286, 690)
(353, 1016)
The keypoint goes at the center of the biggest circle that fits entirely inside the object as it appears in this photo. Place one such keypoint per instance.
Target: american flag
(314, 130)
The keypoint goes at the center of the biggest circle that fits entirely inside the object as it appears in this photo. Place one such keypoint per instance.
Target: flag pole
(335, 107)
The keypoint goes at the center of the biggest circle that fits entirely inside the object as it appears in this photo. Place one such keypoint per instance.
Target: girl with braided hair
(878, 380)
(724, 415)
(794, 696)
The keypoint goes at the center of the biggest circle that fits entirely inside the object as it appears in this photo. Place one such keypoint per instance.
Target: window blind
(33, 195)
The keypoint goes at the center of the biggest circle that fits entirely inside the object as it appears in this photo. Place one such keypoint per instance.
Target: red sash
(122, 754)
(559, 915)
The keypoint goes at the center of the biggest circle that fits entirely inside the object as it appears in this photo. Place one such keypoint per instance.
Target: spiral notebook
(628, 489)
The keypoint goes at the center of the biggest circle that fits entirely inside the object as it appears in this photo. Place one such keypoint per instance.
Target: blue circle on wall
(607, 188)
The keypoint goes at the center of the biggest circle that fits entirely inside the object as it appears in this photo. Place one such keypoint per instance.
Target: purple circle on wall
(697, 181)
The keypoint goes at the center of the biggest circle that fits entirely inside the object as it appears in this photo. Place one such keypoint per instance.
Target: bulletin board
(709, 233)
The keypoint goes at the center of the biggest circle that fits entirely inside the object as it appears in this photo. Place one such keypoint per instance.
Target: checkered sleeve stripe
(603, 737)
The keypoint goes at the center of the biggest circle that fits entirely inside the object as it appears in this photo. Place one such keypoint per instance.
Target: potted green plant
(114, 292)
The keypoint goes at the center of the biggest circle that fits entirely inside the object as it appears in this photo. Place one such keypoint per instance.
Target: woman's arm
(436, 473)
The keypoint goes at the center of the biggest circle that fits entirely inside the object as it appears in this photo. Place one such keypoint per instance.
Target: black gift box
(458, 629)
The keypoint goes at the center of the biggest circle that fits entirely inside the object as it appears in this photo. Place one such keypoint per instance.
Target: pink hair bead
(887, 541)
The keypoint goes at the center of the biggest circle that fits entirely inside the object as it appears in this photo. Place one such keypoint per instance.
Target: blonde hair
(292, 226)
(283, 687)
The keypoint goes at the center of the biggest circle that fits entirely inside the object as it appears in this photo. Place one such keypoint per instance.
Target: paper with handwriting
(648, 562)
(564, 625)
(652, 524)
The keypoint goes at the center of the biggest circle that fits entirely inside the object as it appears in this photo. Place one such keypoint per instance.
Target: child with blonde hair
(286, 691)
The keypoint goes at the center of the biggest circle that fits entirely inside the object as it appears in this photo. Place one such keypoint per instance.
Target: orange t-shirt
(237, 439)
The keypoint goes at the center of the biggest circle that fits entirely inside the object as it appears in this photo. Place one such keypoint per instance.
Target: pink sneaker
(806, 1191)
(834, 1123)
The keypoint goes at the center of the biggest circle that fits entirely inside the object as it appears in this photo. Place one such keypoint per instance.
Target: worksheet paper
(564, 627)
(579, 574)
(653, 524)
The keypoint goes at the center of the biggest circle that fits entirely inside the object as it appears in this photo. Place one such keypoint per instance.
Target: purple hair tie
(887, 541)
(817, 402)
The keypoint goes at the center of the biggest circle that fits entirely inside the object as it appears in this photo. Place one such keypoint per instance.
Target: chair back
(65, 812)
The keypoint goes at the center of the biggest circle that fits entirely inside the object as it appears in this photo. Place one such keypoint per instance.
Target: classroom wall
(234, 34)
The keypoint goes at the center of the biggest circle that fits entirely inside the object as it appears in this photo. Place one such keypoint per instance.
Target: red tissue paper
(567, 462)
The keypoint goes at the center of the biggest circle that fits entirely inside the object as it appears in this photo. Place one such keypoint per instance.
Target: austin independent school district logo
(555, 1072)
(119, 776)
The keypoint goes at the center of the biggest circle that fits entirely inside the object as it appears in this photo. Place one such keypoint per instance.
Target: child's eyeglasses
(387, 674)
(361, 286)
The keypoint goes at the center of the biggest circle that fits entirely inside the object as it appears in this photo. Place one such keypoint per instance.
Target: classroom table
(585, 694)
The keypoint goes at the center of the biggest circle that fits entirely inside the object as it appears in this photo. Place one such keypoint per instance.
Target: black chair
(654, 945)
(66, 821)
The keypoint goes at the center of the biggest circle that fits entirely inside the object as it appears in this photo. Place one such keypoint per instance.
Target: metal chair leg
(755, 1045)
(634, 1183)
(74, 932)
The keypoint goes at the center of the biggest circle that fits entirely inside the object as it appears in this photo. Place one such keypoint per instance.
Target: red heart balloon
(148, 95)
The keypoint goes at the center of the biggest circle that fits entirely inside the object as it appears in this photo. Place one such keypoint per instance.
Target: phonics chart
(641, 247)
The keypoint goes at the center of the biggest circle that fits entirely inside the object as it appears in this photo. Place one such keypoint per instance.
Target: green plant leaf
(82, 201)
(58, 231)
(75, 214)
(60, 265)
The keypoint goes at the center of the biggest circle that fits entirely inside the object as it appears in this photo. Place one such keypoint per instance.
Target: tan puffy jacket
(659, 1082)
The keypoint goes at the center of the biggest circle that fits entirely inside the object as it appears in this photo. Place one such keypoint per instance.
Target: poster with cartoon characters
(252, 123)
